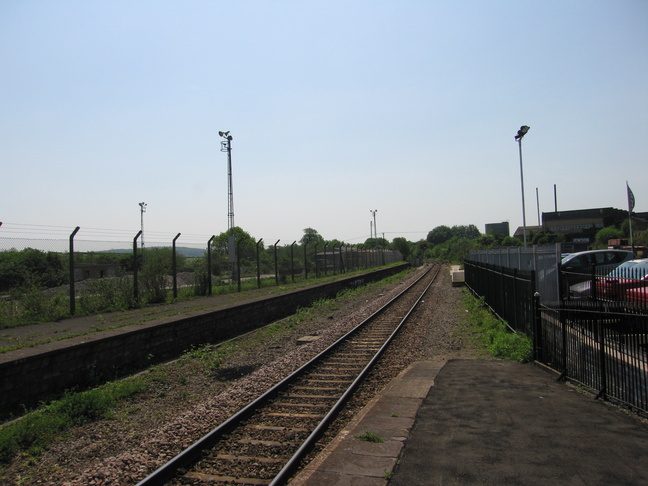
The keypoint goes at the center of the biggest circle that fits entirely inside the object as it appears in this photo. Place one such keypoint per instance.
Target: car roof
(589, 252)
(601, 251)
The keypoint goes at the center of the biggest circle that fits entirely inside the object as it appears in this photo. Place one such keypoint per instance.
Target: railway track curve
(264, 443)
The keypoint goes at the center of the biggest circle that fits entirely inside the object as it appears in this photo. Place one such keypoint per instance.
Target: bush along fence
(79, 279)
(600, 344)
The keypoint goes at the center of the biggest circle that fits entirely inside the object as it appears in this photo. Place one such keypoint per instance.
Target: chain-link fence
(77, 272)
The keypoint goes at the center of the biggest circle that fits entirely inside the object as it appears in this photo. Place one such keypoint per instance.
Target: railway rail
(264, 443)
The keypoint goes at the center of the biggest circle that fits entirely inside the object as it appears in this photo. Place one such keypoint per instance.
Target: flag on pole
(631, 199)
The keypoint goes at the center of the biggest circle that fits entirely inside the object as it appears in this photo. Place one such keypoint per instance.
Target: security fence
(542, 260)
(44, 279)
(595, 340)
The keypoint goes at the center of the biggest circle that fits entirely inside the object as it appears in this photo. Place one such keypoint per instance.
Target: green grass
(493, 334)
(35, 431)
(369, 436)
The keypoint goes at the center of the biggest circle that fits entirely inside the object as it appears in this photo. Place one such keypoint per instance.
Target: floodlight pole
(142, 206)
(518, 138)
(226, 146)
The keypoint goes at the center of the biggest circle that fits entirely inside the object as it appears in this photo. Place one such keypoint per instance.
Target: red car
(638, 295)
(628, 275)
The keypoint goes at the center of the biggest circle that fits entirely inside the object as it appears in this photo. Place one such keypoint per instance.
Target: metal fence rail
(94, 276)
(507, 291)
(601, 344)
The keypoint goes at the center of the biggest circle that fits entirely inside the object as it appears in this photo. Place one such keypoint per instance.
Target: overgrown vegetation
(35, 431)
(493, 334)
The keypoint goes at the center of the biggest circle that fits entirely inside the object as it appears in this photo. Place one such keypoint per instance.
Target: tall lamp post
(518, 138)
(226, 146)
(142, 206)
(375, 231)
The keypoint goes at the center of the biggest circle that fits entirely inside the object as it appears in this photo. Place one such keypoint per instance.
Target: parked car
(614, 285)
(638, 295)
(578, 267)
(628, 275)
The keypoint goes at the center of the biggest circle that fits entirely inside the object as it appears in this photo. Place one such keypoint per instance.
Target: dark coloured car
(581, 266)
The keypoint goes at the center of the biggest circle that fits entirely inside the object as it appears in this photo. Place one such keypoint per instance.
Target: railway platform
(486, 422)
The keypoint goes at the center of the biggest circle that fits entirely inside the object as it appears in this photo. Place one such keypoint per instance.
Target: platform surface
(486, 422)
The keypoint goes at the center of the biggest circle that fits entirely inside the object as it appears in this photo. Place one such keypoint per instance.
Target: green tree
(547, 238)
(439, 235)
(605, 234)
(311, 237)
(469, 232)
(403, 246)
(32, 268)
(243, 241)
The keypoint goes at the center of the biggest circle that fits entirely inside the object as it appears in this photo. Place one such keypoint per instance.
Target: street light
(142, 206)
(518, 138)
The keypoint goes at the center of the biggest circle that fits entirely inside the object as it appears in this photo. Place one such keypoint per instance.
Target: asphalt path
(492, 422)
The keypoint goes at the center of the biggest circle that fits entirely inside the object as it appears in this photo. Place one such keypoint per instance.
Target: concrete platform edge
(390, 415)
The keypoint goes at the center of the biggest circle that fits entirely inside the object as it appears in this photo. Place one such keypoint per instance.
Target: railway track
(265, 441)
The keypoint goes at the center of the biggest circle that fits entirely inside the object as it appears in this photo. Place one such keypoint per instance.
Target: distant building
(84, 271)
(519, 233)
(498, 229)
(581, 221)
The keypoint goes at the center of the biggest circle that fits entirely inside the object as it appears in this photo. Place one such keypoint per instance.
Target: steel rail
(190, 455)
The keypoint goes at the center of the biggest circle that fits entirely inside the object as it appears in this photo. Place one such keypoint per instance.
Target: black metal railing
(592, 340)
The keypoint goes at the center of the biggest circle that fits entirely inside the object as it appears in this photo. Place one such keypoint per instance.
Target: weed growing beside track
(494, 335)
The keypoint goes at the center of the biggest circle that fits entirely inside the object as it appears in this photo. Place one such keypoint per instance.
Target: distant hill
(182, 250)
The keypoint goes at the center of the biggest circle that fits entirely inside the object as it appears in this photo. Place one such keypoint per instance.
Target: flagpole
(630, 207)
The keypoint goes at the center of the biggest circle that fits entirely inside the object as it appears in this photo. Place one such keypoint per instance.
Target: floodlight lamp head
(521, 132)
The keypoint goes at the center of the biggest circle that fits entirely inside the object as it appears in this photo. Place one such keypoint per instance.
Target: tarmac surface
(486, 422)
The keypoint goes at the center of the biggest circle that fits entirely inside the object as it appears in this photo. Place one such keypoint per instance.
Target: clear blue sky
(336, 108)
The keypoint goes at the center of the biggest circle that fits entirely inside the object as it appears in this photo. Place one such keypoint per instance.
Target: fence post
(325, 261)
(258, 264)
(537, 328)
(305, 262)
(601, 343)
(209, 265)
(292, 260)
(275, 261)
(316, 265)
(238, 263)
(135, 264)
(72, 290)
(175, 268)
